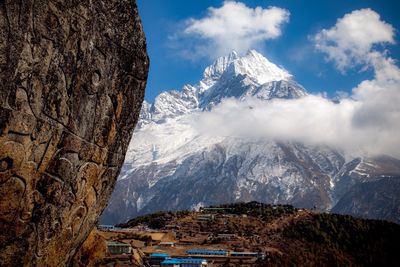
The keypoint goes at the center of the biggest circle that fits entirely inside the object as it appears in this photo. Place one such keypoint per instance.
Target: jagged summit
(215, 70)
(253, 65)
(251, 75)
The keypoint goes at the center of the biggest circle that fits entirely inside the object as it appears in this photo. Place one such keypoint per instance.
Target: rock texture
(92, 252)
(72, 79)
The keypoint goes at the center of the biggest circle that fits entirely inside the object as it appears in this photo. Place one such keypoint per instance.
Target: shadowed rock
(72, 79)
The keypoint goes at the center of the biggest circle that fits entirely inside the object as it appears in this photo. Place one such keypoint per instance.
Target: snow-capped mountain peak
(253, 65)
(256, 66)
(215, 70)
(251, 75)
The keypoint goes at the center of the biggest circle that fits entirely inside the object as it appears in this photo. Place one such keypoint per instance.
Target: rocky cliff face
(72, 78)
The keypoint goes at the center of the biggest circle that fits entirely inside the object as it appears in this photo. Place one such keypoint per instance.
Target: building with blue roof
(207, 252)
(184, 262)
(160, 255)
(157, 258)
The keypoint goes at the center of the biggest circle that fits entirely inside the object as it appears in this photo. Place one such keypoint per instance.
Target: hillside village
(214, 235)
(244, 234)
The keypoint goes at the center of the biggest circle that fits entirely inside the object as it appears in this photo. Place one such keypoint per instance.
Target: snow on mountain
(170, 165)
(173, 103)
(253, 65)
(230, 76)
(213, 72)
(258, 67)
(165, 133)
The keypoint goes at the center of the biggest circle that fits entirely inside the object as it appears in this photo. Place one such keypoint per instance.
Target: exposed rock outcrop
(92, 252)
(72, 78)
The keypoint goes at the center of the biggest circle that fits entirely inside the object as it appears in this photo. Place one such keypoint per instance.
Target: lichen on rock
(72, 79)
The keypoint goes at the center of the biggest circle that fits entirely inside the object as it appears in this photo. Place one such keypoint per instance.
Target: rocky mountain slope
(172, 165)
(378, 198)
(72, 79)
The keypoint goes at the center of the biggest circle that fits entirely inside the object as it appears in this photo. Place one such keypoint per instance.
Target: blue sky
(293, 49)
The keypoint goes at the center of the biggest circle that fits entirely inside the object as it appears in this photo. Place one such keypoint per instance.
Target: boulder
(72, 79)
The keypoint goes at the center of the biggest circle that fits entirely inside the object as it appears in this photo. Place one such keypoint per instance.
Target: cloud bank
(367, 121)
(233, 26)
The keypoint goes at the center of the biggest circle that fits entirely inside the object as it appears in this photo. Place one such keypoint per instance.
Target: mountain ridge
(176, 167)
(252, 71)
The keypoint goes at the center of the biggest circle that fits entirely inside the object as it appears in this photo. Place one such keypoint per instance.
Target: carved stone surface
(72, 79)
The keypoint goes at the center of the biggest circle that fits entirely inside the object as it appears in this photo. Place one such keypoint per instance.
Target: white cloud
(367, 121)
(234, 26)
(353, 37)
(311, 119)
